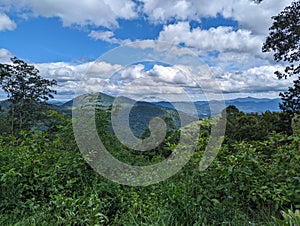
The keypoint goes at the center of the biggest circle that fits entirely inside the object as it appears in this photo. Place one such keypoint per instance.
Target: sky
(144, 48)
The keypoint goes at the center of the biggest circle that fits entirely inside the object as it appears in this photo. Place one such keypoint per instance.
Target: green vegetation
(45, 181)
(254, 180)
(284, 42)
(27, 94)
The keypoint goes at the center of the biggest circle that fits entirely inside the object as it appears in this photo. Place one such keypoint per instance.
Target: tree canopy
(26, 90)
(284, 41)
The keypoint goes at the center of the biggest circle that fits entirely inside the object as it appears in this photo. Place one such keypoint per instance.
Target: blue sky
(42, 40)
(64, 38)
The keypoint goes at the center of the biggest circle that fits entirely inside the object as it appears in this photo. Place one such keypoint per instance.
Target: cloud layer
(136, 81)
(234, 54)
(6, 23)
(223, 39)
(106, 13)
(93, 12)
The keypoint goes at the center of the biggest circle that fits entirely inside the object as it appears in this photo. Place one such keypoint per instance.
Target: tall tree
(284, 41)
(291, 99)
(26, 90)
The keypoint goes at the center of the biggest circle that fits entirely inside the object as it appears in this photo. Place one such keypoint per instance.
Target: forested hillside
(253, 178)
(256, 175)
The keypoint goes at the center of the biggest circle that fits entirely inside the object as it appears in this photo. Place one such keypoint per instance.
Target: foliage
(291, 99)
(290, 218)
(284, 41)
(45, 181)
(27, 92)
(254, 126)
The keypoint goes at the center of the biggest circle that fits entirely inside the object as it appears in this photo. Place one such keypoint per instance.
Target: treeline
(255, 127)
(44, 179)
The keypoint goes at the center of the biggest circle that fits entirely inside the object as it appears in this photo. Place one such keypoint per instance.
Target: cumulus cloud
(93, 12)
(77, 79)
(223, 39)
(238, 51)
(171, 75)
(138, 81)
(5, 56)
(162, 11)
(256, 18)
(6, 23)
(107, 36)
(163, 81)
(256, 79)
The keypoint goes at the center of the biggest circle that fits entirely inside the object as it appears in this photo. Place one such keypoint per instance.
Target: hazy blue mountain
(142, 112)
(251, 104)
(247, 105)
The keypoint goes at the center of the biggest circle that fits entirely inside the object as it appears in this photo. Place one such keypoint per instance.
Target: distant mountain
(247, 105)
(250, 104)
(142, 112)
(56, 102)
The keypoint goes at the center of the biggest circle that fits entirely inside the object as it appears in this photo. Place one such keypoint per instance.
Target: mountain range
(179, 113)
(247, 105)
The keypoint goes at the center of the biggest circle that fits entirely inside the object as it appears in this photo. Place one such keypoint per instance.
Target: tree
(27, 92)
(284, 41)
(291, 99)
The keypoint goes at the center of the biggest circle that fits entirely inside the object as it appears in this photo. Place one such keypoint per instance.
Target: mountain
(178, 113)
(140, 112)
(247, 105)
(250, 104)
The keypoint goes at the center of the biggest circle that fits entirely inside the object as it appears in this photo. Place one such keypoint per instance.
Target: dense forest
(254, 179)
(256, 175)
(45, 179)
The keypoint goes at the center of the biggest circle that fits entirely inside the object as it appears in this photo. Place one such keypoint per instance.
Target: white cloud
(92, 12)
(171, 75)
(5, 56)
(161, 11)
(223, 39)
(6, 23)
(77, 79)
(239, 51)
(159, 75)
(164, 81)
(107, 36)
(161, 81)
(256, 18)
(132, 72)
(256, 79)
(102, 35)
(136, 81)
